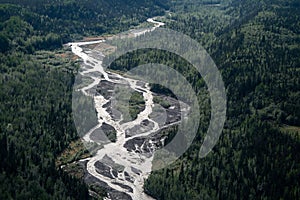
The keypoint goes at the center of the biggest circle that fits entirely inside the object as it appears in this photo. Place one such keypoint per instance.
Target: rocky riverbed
(124, 160)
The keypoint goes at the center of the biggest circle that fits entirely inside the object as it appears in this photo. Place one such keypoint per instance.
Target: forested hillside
(36, 122)
(257, 156)
(256, 45)
(69, 18)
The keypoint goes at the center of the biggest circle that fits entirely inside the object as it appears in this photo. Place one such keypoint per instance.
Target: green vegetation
(110, 132)
(161, 101)
(129, 106)
(37, 77)
(36, 124)
(136, 104)
(99, 192)
(71, 18)
(258, 54)
(75, 151)
(256, 47)
(255, 44)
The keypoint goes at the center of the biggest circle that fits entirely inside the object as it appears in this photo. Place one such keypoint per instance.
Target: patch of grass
(161, 101)
(136, 104)
(75, 170)
(290, 129)
(75, 151)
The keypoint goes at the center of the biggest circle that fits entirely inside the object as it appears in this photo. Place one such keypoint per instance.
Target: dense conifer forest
(257, 157)
(255, 44)
(36, 88)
